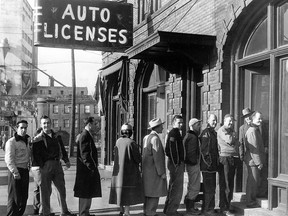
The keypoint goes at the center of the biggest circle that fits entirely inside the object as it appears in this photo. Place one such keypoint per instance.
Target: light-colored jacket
(255, 151)
(227, 142)
(153, 164)
(17, 154)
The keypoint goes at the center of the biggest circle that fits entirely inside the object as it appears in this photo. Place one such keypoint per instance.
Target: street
(99, 206)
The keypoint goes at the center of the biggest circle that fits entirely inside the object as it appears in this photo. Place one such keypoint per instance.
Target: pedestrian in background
(154, 170)
(174, 150)
(17, 155)
(192, 159)
(1, 141)
(209, 164)
(229, 159)
(254, 158)
(48, 150)
(126, 183)
(4, 140)
(87, 183)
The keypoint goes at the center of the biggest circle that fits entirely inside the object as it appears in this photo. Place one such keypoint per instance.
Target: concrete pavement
(99, 206)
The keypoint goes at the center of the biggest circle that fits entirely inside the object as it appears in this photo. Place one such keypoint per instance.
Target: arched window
(257, 41)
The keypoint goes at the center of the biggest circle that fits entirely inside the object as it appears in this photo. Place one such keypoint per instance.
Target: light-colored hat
(194, 121)
(154, 123)
(246, 112)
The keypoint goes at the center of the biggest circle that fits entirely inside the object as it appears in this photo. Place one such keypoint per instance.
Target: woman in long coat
(126, 184)
(87, 183)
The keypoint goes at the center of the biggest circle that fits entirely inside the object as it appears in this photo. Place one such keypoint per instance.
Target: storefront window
(152, 103)
(283, 24)
(258, 39)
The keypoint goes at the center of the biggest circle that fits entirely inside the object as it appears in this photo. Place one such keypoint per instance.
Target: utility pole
(72, 128)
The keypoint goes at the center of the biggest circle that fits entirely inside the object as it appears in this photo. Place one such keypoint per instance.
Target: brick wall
(196, 17)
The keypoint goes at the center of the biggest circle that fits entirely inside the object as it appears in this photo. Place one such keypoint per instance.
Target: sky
(57, 63)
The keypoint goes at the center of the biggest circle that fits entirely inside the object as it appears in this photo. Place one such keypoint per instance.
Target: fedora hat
(154, 123)
(246, 112)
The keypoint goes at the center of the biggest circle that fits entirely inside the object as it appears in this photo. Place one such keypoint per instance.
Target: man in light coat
(154, 171)
(254, 158)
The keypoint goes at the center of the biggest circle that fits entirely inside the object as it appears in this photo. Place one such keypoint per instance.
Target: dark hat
(246, 112)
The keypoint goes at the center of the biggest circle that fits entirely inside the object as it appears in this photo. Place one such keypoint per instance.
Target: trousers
(226, 180)
(17, 193)
(194, 178)
(52, 171)
(150, 205)
(209, 189)
(175, 190)
(84, 206)
(252, 183)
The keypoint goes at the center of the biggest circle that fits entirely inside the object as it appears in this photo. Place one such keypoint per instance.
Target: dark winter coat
(209, 150)
(191, 144)
(174, 148)
(87, 183)
(126, 183)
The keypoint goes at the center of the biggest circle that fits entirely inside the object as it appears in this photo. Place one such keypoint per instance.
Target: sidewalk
(99, 206)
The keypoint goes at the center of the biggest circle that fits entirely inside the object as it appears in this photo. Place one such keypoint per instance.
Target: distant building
(18, 79)
(55, 102)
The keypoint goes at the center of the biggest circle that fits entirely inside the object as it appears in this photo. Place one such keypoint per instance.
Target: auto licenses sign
(83, 24)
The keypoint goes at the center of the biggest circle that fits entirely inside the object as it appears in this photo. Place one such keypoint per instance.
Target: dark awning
(113, 66)
(170, 45)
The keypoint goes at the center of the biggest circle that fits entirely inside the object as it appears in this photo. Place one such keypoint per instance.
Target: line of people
(208, 152)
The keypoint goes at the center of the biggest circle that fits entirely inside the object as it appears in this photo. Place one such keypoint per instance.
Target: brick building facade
(195, 58)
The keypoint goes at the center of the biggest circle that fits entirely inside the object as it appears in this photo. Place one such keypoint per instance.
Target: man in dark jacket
(175, 152)
(191, 144)
(209, 164)
(48, 149)
(87, 184)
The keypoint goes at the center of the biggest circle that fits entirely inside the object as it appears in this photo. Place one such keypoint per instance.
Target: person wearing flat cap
(153, 167)
(192, 158)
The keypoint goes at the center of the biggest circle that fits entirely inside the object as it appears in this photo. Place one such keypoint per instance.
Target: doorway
(256, 89)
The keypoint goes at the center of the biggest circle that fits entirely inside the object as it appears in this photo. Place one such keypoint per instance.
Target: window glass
(86, 109)
(258, 39)
(152, 102)
(283, 24)
(55, 123)
(66, 123)
(55, 109)
(66, 109)
(283, 118)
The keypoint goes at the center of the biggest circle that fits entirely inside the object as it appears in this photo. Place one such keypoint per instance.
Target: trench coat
(87, 183)
(153, 163)
(126, 182)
